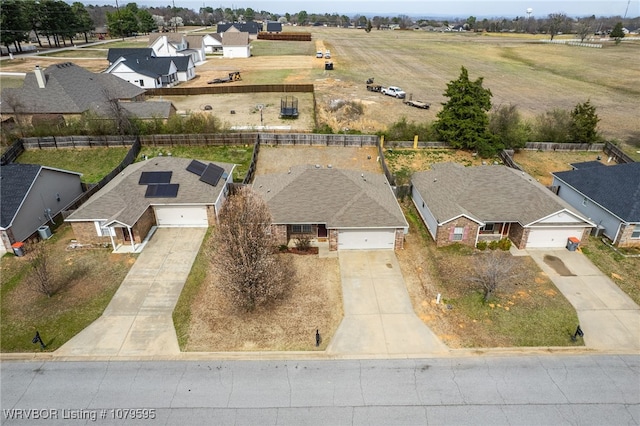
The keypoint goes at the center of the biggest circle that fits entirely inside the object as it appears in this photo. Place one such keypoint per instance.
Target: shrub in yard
(493, 245)
(504, 244)
(482, 245)
(303, 243)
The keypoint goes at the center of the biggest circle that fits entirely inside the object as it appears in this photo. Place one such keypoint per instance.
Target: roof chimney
(40, 77)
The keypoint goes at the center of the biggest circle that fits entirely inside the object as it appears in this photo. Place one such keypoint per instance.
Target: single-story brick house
(469, 204)
(348, 208)
(32, 195)
(161, 191)
(608, 195)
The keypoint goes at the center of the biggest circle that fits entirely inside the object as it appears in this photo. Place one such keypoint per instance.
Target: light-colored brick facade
(85, 233)
(399, 243)
(279, 233)
(333, 239)
(624, 237)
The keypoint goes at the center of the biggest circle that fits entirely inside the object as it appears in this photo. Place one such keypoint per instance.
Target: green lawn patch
(528, 310)
(280, 48)
(192, 287)
(80, 53)
(236, 154)
(90, 278)
(624, 271)
(93, 163)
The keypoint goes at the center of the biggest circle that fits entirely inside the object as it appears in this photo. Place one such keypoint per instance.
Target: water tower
(529, 12)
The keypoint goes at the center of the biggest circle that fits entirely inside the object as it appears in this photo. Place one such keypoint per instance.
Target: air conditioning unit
(44, 232)
(597, 231)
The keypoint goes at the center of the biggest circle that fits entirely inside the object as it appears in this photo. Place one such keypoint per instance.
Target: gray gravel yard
(278, 159)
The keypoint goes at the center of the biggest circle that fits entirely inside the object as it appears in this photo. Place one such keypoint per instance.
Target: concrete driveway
(609, 318)
(378, 316)
(138, 320)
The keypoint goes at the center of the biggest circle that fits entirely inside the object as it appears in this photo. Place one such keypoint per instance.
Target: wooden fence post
(415, 142)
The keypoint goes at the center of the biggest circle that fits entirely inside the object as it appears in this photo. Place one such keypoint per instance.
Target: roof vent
(318, 166)
(329, 166)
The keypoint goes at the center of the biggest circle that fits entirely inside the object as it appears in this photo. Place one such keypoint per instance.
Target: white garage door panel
(182, 216)
(366, 239)
(551, 237)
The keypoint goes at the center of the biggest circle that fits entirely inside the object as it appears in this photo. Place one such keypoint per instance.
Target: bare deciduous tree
(243, 253)
(490, 270)
(557, 23)
(42, 278)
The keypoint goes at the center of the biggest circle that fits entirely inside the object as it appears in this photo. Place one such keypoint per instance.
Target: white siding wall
(425, 213)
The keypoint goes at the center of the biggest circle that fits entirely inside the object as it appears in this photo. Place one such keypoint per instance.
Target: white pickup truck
(394, 91)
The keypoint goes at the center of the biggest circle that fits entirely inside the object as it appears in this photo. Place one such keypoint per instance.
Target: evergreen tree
(617, 33)
(584, 123)
(463, 121)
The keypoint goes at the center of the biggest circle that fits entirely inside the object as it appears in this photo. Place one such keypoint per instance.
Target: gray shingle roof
(486, 194)
(616, 188)
(235, 39)
(123, 198)
(69, 89)
(338, 198)
(248, 27)
(15, 181)
(587, 164)
(149, 109)
(151, 66)
(116, 53)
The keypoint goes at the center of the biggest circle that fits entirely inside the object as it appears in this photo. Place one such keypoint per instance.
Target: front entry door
(125, 234)
(322, 231)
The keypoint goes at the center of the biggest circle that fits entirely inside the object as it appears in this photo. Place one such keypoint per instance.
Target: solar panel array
(164, 190)
(209, 173)
(147, 178)
(212, 174)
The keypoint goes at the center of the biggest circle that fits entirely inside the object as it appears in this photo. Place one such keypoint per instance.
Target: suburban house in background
(253, 28)
(236, 45)
(608, 195)
(273, 27)
(160, 191)
(66, 91)
(347, 208)
(469, 204)
(176, 44)
(32, 195)
(212, 43)
(146, 70)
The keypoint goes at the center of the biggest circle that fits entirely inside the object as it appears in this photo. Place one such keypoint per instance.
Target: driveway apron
(608, 317)
(138, 320)
(378, 316)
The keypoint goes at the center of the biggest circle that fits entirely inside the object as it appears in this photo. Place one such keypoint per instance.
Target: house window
(636, 232)
(141, 83)
(301, 229)
(458, 233)
(104, 231)
(488, 228)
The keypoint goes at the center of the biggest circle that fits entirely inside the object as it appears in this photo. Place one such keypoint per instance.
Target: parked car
(319, 54)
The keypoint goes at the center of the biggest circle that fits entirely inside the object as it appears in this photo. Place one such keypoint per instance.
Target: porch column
(113, 243)
(133, 243)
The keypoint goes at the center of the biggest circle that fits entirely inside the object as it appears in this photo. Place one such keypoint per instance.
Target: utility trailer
(416, 104)
(233, 76)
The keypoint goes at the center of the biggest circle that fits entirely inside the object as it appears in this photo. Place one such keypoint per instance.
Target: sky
(414, 8)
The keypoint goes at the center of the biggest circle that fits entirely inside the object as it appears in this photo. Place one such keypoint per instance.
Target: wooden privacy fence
(551, 146)
(204, 139)
(13, 152)
(61, 142)
(616, 153)
(284, 36)
(236, 88)
(254, 163)
(506, 155)
(318, 139)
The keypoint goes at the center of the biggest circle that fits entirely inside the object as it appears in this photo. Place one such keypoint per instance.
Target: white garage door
(551, 237)
(195, 216)
(367, 239)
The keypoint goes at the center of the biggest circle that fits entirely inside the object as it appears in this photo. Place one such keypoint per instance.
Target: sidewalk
(609, 318)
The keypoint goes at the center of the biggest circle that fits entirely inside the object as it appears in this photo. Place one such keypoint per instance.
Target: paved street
(595, 389)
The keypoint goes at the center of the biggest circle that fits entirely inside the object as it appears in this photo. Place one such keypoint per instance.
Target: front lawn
(624, 271)
(527, 311)
(93, 163)
(89, 278)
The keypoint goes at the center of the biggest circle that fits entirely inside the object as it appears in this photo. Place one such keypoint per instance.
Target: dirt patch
(315, 302)
(278, 159)
(558, 265)
(540, 164)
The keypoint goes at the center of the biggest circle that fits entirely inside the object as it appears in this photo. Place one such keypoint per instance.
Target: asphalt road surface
(529, 390)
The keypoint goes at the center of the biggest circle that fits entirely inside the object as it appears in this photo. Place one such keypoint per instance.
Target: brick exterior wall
(7, 239)
(333, 239)
(143, 225)
(624, 237)
(212, 220)
(399, 244)
(85, 233)
(443, 232)
(518, 235)
(279, 234)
